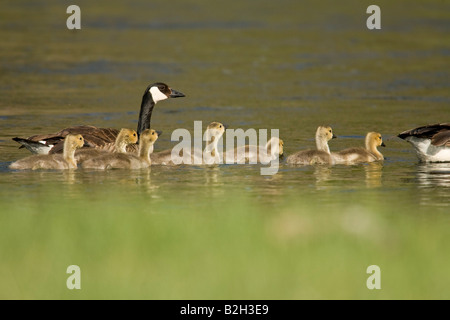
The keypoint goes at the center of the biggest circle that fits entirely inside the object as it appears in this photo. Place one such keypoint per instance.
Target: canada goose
(361, 155)
(53, 161)
(319, 156)
(254, 154)
(125, 138)
(126, 160)
(209, 155)
(431, 142)
(100, 138)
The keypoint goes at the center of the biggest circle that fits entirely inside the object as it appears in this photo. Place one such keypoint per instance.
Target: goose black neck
(145, 114)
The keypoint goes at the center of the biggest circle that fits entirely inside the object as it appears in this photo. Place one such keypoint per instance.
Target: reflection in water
(434, 174)
(213, 180)
(373, 174)
(434, 183)
(322, 174)
(352, 175)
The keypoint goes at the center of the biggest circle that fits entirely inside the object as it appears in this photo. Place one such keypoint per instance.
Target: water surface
(226, 231)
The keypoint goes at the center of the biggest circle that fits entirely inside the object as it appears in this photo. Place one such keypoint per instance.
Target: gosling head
(326, 133)
(160, 91)
(281, 151)
(214, 131)
(75, 141)
(150, 136)
(374, 139)
(275, 147)
(127, 136)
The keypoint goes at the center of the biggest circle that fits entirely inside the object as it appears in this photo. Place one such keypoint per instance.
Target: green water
(226, 232)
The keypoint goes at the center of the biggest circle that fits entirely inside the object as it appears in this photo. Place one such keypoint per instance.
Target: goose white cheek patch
(157, 94)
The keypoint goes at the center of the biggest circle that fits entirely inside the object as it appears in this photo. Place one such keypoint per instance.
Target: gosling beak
(383, 145)
(334, 136)
(159, 133)
(176, 94)
(226, 126)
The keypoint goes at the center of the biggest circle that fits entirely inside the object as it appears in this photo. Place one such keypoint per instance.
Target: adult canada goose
(53, 161)
(209, 155)
(126, 160)
(361, 155)
(319, 156)
(125, 138)
(254, 154)
(100, 138)
(431, 142)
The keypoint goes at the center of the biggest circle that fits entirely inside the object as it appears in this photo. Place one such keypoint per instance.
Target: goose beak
(176, 94)
(226, 126)
(159, 133)
(334, 136)
(383, 145)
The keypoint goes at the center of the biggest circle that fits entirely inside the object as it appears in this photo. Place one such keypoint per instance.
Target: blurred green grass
(231, 248)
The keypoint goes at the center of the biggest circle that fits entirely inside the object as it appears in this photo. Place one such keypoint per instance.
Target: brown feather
(101, 138)
(426, 132)
(441, 139)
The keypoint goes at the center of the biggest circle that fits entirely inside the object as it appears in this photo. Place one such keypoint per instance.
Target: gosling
(361, 155)
(209, 155)
(53, 161)
(127, 160)
(321, 155)
(254, 154)
(125, 138)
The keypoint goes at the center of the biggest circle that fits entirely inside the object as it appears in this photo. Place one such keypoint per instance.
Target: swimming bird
(126, 160)
(101, 138)
(254, 154)
(125, 138)
(431, 142)
(361, 155)
(53, 161)
(319, 156)
(179, 155)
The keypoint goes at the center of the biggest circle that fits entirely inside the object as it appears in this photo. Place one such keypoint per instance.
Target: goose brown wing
(441, 139)
(426, 132)
(94, 137)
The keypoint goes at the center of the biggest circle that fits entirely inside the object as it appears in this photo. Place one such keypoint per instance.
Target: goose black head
(160, 91)
(153, 94)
